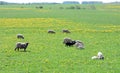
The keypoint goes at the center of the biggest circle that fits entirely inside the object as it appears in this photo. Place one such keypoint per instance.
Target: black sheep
(51, 31)
(68, 42)
(20, 45)
(65, 31)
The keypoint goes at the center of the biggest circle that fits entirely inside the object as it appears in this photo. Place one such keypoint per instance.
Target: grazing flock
(64, 31)
(68, 42)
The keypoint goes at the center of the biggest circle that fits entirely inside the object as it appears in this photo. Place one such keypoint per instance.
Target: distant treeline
(71, 2)
(92, 2)
(5, 3)
(65, 2)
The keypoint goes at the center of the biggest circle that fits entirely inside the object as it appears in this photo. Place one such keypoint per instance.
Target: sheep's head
(27, 43)
(74, 42)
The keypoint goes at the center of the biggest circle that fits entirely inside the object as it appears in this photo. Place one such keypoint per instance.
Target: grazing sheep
(99, 56)
(51, 31)
(79, 44)
(65, 31)
(68, 42)
(20, 36)
(20, 45)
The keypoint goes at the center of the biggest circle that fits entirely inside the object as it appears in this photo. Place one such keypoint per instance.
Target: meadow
(98, 29)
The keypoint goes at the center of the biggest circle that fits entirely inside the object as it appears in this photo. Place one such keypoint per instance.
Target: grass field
(98, 28)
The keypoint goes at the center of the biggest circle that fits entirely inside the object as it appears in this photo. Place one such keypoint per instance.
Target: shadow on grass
(23, 51)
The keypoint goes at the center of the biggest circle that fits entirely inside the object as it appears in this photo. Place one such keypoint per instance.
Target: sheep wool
(67, 40)
(79, 44)
(94, 57)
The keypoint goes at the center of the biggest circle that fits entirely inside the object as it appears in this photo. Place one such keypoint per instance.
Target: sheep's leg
(15, 49)
(24, 49)
(18, 49)
(66, 45)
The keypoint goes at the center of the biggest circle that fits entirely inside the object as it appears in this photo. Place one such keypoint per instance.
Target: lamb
(68, 42)
(79, 44)
(51, 31)
(65, 31)
(99, 56)
(20, 45)
(20, 36)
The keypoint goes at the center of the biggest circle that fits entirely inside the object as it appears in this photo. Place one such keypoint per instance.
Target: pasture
(98, 29)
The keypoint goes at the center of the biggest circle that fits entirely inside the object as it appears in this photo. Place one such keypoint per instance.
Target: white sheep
(99, 56)
(94, 57)
(79, 44)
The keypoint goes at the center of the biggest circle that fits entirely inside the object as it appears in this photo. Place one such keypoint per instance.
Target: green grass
(99, 30)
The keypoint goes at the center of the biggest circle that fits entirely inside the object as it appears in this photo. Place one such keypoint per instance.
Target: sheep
(65, 31)
(20, 36)
(99, 56)
(79, 44)
(68, 42)
(20, 45)
(51, 31)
